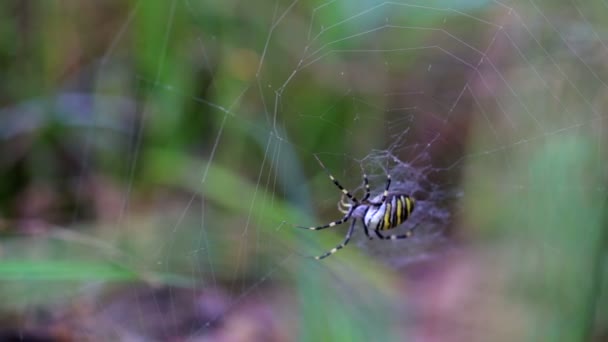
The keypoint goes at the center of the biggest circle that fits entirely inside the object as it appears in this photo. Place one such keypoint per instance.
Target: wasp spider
(383, 212)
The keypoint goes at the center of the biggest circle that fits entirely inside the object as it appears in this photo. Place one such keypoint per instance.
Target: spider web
(374, 87)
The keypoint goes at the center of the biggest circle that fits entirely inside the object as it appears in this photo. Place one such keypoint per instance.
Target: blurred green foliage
(169, 144)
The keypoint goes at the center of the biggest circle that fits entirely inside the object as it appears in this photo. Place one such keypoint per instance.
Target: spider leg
(388, 185)
(367, 192)
(366, 230)
(407, 234)
(385, 194)
(340, 246)
(343, 205)
(331, 224)
(333, 179)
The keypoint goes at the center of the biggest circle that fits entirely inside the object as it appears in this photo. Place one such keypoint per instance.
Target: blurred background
(155, 155)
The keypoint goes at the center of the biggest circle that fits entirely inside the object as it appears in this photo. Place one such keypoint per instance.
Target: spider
(383, 212)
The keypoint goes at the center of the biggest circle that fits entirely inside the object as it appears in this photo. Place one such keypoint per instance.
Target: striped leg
(366, 230)
(385, 194)
(340, 246)
(333, 179)
(367, 192)
(343, 206)
(331, 224)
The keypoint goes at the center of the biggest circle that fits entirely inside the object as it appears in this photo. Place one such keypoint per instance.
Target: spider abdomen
(390, 214)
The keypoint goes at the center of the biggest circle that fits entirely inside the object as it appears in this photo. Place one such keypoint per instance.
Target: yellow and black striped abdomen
(390, 214)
